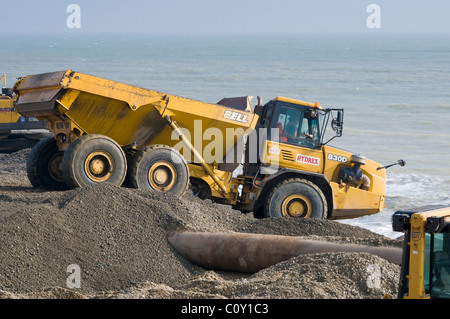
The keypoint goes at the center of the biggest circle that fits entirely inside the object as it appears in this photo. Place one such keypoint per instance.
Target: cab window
(437, 265)
(296, 127)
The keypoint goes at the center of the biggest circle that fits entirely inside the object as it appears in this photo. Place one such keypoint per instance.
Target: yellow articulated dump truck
(106, 131)
(425, 271)
(13, 136)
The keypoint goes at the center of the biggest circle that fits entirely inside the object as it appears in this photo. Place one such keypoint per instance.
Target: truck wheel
(93, 159)
(159, 168)
(44, 165)
(296, 197)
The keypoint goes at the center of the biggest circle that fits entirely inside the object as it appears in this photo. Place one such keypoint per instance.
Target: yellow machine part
(225, 177)
(348, 201)
(8, 113)
(418, 222)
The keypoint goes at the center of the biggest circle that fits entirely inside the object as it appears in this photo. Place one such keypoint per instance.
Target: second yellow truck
(106, 131)
(16, 132)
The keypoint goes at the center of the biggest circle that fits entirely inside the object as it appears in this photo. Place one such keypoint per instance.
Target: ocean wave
(418, 189)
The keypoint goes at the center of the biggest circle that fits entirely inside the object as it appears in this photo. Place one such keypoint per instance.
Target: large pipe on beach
(250, 253)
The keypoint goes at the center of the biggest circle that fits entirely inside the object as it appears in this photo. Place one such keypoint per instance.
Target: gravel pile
(117, 236)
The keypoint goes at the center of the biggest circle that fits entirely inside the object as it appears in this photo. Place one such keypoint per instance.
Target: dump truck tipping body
(72, 101)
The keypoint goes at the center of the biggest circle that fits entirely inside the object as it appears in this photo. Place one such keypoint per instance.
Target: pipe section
(243, 252)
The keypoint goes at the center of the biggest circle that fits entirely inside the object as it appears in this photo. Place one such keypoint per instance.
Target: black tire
(44, 165)
(163, 161)
(11, 145)
(259, 213)
(93, 159)
(296, 197)
(200, 188)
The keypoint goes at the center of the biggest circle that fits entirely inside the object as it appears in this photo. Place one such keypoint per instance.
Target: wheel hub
(55, 167)
(162, 176)
(296, 205)
(99, 166)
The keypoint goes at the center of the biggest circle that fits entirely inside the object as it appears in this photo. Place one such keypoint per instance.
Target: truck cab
(295, 135)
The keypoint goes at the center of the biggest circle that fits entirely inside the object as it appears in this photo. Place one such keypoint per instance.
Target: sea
(395, 89)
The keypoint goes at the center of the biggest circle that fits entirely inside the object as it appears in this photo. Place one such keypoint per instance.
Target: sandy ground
(118, 239)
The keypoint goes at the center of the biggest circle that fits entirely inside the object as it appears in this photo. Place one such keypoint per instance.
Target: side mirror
(338, 122)
(340, 118)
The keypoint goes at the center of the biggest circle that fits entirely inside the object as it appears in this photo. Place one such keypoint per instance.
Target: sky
(223, 17)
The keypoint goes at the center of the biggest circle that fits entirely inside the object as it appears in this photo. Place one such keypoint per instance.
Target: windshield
(297, 125)
(437, 265)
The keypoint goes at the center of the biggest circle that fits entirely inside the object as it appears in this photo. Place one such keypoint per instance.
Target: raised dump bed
(125, 113)
(76, 105)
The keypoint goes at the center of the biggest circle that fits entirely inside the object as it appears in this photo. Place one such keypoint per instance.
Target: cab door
(294, 139)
